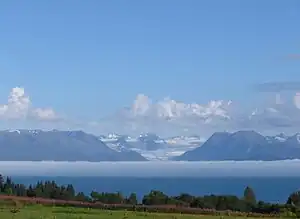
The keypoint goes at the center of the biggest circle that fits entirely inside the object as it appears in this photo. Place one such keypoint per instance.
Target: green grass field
(41, 212)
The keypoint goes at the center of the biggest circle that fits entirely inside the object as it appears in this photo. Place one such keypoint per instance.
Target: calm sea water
(272, 189)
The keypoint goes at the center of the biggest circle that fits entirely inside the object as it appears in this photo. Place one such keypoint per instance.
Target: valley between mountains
(38, 145)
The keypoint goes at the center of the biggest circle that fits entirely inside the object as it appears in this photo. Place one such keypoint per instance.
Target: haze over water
(153, 169)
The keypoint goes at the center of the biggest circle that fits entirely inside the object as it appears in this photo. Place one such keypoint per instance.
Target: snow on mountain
(298, 138)
(150, 137)
(185, 140)
(245, 145)
(277, 138)
(112, 137)
(241, 145)
(151, 146)
(160, 154)
(19, 145)
(19, 131)
(117, 146)
(249, 145)
(16, 131)
(283, 138)
(34, 131)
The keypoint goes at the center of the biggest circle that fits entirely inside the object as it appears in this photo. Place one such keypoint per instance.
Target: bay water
(271, 189)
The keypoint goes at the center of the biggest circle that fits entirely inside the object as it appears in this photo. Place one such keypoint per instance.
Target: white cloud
(278, 99)
(46, 114)
(170, 117)
(19, 106)
(171, 109)
(165, 117)
(141, 104)
(297, 100)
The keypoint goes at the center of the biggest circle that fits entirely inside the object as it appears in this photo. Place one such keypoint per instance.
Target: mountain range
(38, 145)
(151, 146)
(245, 145)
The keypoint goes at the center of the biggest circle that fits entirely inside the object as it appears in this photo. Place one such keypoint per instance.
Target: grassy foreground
(43, 212)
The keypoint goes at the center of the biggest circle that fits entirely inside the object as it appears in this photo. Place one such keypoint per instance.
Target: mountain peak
(59, 146)
(249, 134)
(244, 145)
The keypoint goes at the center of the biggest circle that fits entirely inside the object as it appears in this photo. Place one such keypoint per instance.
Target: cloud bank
(169, 117)
(153, 169)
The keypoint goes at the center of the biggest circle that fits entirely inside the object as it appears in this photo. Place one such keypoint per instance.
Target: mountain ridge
(38, 145)
(245, 145)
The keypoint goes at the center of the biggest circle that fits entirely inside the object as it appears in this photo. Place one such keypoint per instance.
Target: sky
(171, 67)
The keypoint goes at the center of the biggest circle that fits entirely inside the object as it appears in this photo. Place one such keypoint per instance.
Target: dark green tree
(50, 189)
(249, 196)
(1, 183)
(94, 195)
(70, 192)
(132, 199)
(294, 199)
(81, 197)
(31, 192)
(155, 197)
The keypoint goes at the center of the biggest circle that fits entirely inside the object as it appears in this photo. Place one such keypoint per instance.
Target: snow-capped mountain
(151, 146)
(57, 145)
(277, 138)
(38, 145)
(245, 145)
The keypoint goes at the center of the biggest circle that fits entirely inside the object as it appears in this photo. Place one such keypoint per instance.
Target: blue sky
(88, 59)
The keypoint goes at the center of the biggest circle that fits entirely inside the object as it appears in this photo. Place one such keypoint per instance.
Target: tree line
(246, 203)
